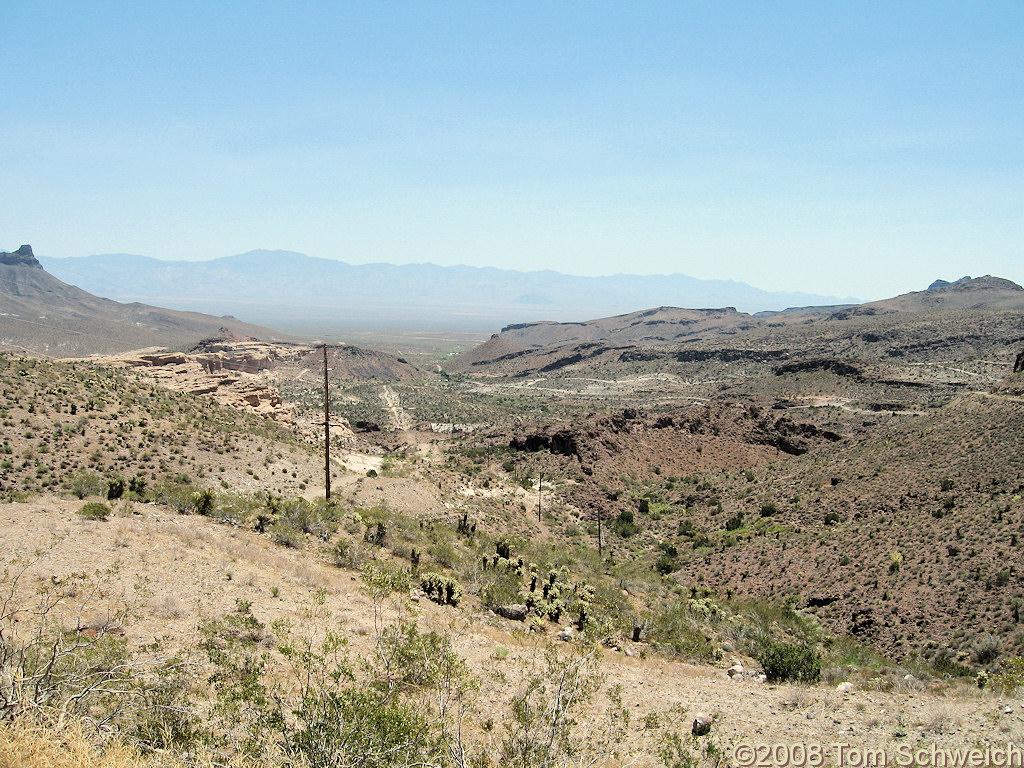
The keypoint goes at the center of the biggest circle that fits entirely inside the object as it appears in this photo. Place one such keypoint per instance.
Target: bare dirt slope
(176, 572)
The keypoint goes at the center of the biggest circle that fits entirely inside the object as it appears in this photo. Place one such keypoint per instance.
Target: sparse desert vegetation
(563, 570)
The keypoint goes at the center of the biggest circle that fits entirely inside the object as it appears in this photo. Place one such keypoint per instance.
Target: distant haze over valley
(290, 289)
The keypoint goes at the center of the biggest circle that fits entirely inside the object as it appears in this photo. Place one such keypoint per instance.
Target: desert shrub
(443, 552)
(1009, 677)
(347, 554)
(783, 662)
(177, 496)
(443, 590)
(547, 727)
(624, 524)
(674, 630)
(666, 564)
(234, 508)
(945, 664)
(86, 484)
(689, 750)
(986, 649)
(305, 516)
(54, 674)
(285, 534)
(400, 709)
(768, 509)
(735, 522)
(94, 510)
(831, 518)
(502, 586)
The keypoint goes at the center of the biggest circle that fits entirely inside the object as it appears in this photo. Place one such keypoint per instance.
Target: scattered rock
(701, 725)
(566, 635)
(844, 688)
(736, 670)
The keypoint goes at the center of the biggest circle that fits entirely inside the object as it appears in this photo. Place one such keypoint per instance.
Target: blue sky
(843, 148)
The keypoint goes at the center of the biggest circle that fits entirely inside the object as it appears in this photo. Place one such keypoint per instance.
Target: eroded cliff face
(23, 257)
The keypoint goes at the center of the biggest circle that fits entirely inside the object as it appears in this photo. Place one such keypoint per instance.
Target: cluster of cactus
(466, 528)
(443, 590)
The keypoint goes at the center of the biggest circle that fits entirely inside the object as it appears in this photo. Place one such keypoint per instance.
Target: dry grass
(25, 745)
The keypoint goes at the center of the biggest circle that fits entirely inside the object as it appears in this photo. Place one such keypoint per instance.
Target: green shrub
(945, 664)
(666, 564)
(782, 662)
(86, 484)
(1009, 678)
(502, 586)
(673, 629)
(286, 535)
(624, 525)
(94, 510)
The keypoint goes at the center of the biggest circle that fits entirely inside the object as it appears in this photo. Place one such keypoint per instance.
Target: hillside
(217, 575)
(969, 319)
(808, 527)
(45, 316)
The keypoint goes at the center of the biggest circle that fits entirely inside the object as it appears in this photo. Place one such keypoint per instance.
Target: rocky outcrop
(838, 367)
(23, 257)
(940, 283)
(747, 423)
(1018, 364)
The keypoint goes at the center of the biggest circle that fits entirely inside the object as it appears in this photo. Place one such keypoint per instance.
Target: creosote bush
(94, 510)
(784, 662)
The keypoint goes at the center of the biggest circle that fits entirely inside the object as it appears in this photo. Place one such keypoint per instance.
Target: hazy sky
(848, 148)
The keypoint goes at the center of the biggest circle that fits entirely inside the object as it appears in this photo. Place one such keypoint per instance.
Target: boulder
(701, 725)
(515, 612)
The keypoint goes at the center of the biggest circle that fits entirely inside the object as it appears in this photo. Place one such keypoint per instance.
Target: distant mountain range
(280, 287)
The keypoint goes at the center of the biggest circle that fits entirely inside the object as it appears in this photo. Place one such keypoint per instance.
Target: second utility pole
(327, 432)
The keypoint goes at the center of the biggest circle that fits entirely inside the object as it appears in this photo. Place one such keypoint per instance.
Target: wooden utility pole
(327, 431)
(540, 492)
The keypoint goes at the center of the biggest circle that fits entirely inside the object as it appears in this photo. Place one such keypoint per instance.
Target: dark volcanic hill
(42, 315)
(651, 326)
